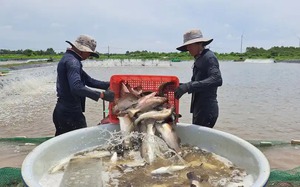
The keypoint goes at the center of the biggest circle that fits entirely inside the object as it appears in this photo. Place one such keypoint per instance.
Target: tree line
(276, 53)
(28, 52)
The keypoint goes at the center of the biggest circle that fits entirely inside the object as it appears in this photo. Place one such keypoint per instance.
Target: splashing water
(19, 92)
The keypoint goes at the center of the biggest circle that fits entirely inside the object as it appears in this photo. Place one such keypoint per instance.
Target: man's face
(85, 55)
(194, 48)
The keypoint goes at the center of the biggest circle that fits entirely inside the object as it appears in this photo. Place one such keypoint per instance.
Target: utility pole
(241, 43)
(108, 51)
(299, 41)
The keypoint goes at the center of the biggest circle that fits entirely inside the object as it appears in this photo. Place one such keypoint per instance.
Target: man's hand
(182, 89)
(107, 95)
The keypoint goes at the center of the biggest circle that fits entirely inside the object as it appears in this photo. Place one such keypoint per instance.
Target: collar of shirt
(70, 50)
(201, 53)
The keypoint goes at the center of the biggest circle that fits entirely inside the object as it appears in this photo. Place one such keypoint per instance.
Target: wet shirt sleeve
(76, 84)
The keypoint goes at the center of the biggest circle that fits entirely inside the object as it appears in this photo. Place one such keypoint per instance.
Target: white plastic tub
(235, 149)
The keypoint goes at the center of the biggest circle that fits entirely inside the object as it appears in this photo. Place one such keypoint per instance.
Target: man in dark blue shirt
(205, 80)
(71, 86)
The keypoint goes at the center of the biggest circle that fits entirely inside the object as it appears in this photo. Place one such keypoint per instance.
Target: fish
(169, 135)
(114, 158)
(124, 90)
(173, 119)
(168, 169)
(61, 166)
(137, 91)
(130, 165)
(92, 154)
(147, 112)
(127, 162)
(145, 98)
(134, 164)
(122, 104)
(128, 100)
(196, 181)
(147, 148)
(126, 126)
(147, 104)
(154, 114)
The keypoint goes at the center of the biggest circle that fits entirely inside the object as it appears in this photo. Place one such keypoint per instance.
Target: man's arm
(75, 82)
(214, 78)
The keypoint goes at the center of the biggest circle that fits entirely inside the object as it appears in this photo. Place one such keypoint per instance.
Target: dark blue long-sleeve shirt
(205, 80)
(72, 81)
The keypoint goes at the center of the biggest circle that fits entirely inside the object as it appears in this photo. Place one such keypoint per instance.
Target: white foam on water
(125, 62)
(247, 182)
(241, 179)
(27, 82)
(24, 93)
(51, 180)
(263, 61)
(227, 162)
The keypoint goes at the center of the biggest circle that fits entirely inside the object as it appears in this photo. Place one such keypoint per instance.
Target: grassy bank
(279, 54)
(276, 53)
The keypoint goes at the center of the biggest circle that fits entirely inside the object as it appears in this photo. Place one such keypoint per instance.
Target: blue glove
(182, 89)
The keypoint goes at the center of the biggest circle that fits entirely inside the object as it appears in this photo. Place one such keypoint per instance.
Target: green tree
(28, 52)
(50, 51)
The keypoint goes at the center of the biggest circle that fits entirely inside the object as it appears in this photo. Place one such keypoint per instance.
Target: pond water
(258, 101)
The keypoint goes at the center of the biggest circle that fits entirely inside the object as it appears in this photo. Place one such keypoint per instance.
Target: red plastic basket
(148, 83)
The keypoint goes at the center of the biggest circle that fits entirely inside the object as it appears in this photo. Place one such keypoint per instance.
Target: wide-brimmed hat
(193, 36)
(85, 43)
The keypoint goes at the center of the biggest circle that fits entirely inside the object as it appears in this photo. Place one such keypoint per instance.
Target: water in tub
(130, 169)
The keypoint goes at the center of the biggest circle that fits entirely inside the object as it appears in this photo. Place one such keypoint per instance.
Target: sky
(153, 25)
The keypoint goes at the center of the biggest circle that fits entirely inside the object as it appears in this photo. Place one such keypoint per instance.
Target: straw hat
(193, 36)
(85, 43)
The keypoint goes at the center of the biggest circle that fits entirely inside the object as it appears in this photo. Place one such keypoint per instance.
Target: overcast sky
(153, 25)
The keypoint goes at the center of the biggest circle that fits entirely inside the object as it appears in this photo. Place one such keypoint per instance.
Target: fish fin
(124, 89)
(134, 90)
